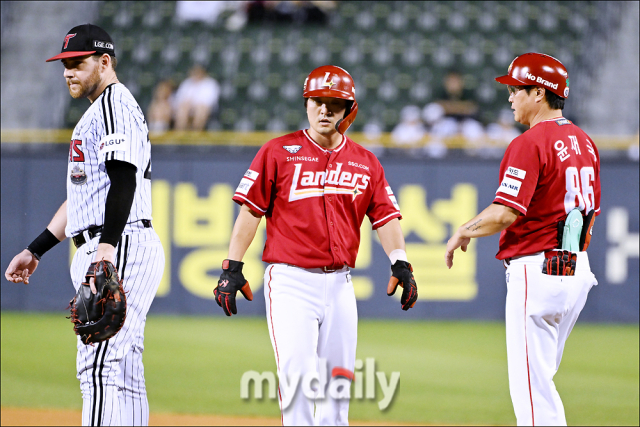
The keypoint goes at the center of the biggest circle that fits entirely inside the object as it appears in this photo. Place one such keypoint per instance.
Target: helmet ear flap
(350, 115)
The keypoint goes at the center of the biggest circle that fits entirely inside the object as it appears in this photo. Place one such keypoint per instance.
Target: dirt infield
(59, 417)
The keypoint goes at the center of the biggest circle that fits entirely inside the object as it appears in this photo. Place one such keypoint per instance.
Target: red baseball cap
(84, 40)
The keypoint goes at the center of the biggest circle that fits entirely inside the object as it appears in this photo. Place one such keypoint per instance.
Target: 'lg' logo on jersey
(111, 142)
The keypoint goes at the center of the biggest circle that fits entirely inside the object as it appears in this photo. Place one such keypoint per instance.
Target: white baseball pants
(111, 373)
(311, 316)
(541, 311)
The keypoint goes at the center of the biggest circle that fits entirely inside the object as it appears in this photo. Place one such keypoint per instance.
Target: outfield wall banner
(193, 213)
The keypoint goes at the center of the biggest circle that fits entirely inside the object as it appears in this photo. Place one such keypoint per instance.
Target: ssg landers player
(315, 187)
(545, 207)
(108, 215)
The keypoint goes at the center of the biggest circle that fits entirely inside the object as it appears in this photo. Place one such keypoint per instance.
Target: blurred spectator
(439, 127)
(496, 139)
(505, 130)
(472, 131)
(438, 124)
(196, 99)
(372, 131)
(160, 114)
(457, 101)
(299, 12)
(205, 11)
(410, 130)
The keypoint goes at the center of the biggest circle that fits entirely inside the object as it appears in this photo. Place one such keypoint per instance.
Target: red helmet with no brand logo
(333, 82)
(538, 69)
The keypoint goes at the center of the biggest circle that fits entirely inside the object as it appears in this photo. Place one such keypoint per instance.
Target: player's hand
(456, 241)
(21, 267)
(105, 252)
(402, 274)
(231, 281)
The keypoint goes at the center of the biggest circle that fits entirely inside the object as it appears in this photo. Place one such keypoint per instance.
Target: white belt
(582, 262)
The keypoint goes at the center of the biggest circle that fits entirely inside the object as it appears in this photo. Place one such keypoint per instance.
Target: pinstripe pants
(111, 373)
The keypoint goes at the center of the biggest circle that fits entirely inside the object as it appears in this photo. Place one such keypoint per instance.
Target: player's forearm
(51, 236)
(59, 222)
(391, 237)
(492, 220)
(243, 233)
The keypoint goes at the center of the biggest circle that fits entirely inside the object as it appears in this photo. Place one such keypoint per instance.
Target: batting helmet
(538, 69)
(333, 82)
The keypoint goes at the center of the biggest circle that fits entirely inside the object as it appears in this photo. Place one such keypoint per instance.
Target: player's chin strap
(574, 235)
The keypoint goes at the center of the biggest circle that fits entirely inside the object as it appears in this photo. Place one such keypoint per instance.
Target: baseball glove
(98, 317)
(231, 281)
(402, 274)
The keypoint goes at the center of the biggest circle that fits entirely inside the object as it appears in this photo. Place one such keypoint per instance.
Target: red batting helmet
(333, 82)
(538, 69)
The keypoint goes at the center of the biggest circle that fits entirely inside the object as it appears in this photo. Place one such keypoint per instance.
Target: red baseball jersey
(315, 200)
(546, 172)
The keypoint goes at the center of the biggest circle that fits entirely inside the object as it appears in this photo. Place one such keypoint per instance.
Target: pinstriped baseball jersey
(113, 128)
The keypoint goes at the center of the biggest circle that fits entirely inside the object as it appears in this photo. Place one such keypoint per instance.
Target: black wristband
(41, 244)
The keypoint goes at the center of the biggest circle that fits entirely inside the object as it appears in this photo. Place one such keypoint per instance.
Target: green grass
(451, 372)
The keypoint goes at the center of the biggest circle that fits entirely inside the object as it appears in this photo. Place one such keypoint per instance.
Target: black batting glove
(561, 263)
(231, 281)
(402, 274)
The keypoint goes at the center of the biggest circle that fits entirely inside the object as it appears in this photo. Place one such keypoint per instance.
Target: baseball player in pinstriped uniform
(545, 206)
(315, 187)
(108, 215)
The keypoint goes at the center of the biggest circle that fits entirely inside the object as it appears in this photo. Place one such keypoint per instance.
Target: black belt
(91, 232)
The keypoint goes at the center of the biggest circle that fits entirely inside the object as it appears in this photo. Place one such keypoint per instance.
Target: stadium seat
(397, 53)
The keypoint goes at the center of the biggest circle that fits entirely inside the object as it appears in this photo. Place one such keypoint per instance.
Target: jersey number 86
(579, 189)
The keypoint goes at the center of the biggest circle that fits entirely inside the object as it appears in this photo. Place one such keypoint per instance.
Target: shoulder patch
(509, 186)
(253, 175)
(114, 142)
(518, 173)
(293, 149)
(563, 121)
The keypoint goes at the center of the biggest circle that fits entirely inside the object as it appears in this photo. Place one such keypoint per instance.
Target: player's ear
(105, 61)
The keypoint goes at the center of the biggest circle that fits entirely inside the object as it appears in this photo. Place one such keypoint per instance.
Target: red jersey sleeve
(256, 187)
(519, 172)
(383, 206)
